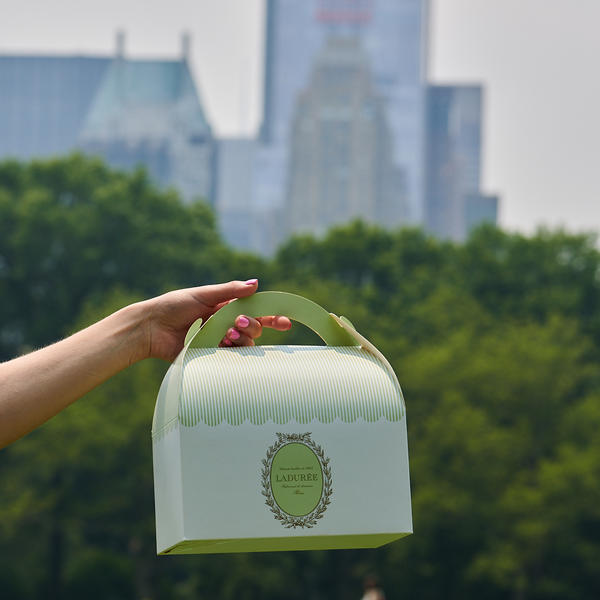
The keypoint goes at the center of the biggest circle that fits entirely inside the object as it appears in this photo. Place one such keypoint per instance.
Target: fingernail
(251, 282)
(234, 334)
(243, 321)
(227, 342)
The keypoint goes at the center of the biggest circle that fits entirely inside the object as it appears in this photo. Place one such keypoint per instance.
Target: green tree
(495, 342)
(71, 229)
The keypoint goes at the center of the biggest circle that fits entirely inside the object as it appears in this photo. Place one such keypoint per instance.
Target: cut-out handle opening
(261, 304)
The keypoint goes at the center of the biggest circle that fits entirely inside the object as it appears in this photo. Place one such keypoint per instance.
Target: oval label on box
(296, 480)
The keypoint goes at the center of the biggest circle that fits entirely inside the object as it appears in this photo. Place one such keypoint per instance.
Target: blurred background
(426, 168)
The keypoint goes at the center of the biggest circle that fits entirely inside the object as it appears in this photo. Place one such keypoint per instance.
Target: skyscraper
(393, 34)
(132, 112)
(147, 112)
(44, 101)
(341, 146)
(453, 201)
(480, 208)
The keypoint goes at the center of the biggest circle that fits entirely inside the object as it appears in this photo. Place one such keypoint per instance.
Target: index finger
(275, 322)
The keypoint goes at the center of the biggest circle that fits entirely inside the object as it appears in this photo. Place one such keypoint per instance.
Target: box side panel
(166, 410)
(168, 495)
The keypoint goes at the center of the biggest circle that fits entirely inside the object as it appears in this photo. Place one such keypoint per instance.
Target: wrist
(135, 325)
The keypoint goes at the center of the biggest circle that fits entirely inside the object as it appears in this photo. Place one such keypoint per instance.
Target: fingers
(276, 322)
(249, 326)
(235, 338)
(246, 329)
(221, 293)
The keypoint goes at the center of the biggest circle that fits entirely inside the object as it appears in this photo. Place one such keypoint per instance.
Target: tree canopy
(495, 342)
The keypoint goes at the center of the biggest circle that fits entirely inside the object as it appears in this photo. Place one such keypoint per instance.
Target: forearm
(36, 386)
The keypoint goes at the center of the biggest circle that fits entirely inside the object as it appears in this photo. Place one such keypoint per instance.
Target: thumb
(211, 295)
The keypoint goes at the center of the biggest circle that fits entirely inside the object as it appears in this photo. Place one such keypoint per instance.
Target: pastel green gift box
(279, 447)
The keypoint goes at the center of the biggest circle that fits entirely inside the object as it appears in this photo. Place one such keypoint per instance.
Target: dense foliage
(496, 343)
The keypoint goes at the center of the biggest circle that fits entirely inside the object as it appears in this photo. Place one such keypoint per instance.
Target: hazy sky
(538, 59)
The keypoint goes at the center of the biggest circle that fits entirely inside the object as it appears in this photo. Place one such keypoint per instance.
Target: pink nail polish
(227, 342)
(234, 334)
(251, 282)
(243, 321)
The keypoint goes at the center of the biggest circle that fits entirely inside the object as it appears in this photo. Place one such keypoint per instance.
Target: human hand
(70, 368)
(168, 318)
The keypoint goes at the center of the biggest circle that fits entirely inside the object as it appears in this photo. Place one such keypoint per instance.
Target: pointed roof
(145, 99)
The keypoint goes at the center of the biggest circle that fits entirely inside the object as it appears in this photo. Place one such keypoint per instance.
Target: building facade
(341, 165)
(392, 34)
(453, 200)
(131, 112)
(479, 209)
(148, 112)
(44, 101)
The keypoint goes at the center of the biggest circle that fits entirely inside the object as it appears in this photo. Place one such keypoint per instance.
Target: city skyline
(535, 60)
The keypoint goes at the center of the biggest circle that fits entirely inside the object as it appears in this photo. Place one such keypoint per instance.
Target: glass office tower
(341, 164)
(453, 201)
(44, 101)
(393, 34)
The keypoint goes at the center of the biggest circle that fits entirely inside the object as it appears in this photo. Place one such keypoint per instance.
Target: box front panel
(275, 481)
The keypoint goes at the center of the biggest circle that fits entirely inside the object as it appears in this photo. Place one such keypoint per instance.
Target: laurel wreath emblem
(289, 521)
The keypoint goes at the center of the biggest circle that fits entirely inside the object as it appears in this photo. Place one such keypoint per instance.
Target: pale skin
(36, 386)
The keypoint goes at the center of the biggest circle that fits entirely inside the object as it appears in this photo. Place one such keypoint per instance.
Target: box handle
(297, 308)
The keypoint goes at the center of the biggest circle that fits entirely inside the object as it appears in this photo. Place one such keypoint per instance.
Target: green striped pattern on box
(279, 384)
